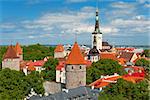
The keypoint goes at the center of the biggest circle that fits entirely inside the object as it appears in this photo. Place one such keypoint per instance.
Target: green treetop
(103, 67)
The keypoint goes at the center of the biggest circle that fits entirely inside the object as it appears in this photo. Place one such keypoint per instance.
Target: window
(72, 67)
(80, 67)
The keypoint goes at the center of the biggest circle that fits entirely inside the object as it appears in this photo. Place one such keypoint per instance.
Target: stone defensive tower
(75, 68)
(10, 59)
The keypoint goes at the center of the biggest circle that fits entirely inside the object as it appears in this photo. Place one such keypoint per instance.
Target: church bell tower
(97, 35)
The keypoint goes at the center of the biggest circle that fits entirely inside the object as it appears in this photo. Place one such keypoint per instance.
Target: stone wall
(75, 76)
(52, 87)
(21, 57)
(59, 54)
(13, 64)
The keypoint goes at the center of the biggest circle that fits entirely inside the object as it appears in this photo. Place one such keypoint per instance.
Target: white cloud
(120, 22)
(7, 26)
(130, 22)
(134, 26)
(121, 4)
(62, 21)
(143, 1)
(147, 5)
(31, 37)
(109, 30)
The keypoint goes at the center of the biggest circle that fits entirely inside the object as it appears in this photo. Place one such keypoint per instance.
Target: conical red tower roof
(18, 49)
(59, 48)
(10, 53)
(75, 56)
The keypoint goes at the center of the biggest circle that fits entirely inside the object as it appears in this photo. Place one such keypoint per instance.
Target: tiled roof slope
(126, 55)
(108, 56)
(75, 56)
(10, 53)
(18, 49)
(59, 48)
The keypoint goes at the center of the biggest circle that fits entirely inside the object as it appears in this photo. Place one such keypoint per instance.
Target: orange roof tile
(108, 56)
(10, 53)
(104, 81)
(31, 67)
(122, 61)
(59, 48)
(133, 79)
(75, 56)
(18, 49)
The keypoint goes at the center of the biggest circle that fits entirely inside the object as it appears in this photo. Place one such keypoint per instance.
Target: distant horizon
(71, 44)
(123, 22)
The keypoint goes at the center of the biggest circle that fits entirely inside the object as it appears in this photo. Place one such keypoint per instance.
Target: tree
(2, 51)
(125, 91)
(34, 81)
(146, 53)
(37, 52)
(103, 67)
(15, 85)
(31, 52)
(49, 73)
(146, 64)
(143, 62)
(12, 85)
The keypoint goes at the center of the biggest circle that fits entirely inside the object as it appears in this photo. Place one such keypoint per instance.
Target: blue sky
(123, 22)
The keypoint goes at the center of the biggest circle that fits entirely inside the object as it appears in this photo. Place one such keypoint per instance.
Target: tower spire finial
(97, 20)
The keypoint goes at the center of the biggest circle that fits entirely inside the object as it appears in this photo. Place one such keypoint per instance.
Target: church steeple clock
(97, 35)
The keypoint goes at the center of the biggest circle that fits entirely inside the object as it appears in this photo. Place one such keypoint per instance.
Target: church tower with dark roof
(97, 35)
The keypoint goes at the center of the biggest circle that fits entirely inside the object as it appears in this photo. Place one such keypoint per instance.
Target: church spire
(97, 30)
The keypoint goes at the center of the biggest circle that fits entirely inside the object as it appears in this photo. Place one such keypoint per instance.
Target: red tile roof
(75, 56)
(125, 49)
(104, 81)
(10, 53)
(107, 55)
(59, 48)
(122, 61)
(31, 67)
(39, 63)
(18, 49)
(133, 79)
(36, 63)
(126, 55)
(60, 65)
